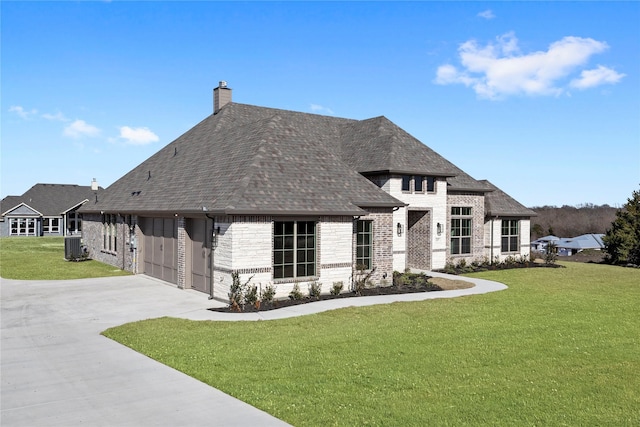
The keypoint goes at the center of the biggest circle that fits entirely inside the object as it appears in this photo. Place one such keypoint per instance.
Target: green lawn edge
(559, 347)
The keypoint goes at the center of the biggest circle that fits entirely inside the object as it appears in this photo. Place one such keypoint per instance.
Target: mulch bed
(385, 290)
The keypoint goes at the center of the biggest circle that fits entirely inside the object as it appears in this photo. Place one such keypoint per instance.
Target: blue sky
(540, 98)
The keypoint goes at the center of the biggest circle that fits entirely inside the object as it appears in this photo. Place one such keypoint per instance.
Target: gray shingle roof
(50, 199)
(499, 203)
(249, 159)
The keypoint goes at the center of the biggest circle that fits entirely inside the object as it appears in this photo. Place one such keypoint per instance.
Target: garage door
(160, 248)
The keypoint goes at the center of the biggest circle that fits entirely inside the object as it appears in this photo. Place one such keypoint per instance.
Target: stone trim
(182, 253)
(252, 270)
(336, 265)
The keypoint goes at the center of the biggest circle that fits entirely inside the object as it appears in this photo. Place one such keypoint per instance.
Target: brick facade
(382, 245)
(123, 256)
(476, 203)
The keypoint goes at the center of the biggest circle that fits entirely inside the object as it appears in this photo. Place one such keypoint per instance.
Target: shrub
(337, 287)
(450, 267)
(267, 294)
(251, 295)
(237, 292)
(295, 293)
(315, 288)
(362, 279)
(551, 253)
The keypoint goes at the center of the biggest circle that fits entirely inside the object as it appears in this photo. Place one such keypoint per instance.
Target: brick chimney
(221, 96)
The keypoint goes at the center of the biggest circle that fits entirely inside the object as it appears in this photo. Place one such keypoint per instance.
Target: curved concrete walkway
(57, 370)
(481, 287)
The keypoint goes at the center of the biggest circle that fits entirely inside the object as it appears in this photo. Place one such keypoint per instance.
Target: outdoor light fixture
(439, 228)
(399, 227)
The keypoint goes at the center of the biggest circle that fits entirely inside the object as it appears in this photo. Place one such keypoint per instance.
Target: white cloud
(138, 136)
(321, 110)
(21, 112)
(56, 117)
(499, 69)
(80, 128)
(596, 77)
(487, 14)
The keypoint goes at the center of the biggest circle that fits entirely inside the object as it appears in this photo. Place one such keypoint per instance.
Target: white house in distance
(287, 197)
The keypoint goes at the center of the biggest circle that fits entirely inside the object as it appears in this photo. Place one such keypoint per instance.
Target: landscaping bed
(403, 283)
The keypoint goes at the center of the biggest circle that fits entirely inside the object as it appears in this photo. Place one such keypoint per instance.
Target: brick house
(288, 197)
(45, 210)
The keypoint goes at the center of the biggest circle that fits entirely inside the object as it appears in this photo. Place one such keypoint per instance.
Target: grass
(42, 258)
(560, 347)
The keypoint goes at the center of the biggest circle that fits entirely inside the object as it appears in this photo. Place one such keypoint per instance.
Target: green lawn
(560, 347)
(42, 258)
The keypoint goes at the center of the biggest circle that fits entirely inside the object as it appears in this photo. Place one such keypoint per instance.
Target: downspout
(211, 261)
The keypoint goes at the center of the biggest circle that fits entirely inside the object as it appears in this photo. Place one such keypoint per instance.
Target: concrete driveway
(57, 370)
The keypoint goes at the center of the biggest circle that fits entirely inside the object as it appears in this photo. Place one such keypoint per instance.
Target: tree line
(571, 221)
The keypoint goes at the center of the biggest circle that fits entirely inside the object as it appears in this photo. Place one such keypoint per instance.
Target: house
(540, 245)
(571, 246)
(285, 197)
(45, 210)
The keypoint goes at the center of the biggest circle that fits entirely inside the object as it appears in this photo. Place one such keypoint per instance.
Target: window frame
(364, 243)
(110, 233)
(461, 224)
(511, 238)
(405, 185)
(420, 184)
(294, 250)
(51, 225)
(23, 226)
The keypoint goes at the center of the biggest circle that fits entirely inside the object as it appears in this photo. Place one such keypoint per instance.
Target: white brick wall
(436, 202)
(525, 239)
(336, 241)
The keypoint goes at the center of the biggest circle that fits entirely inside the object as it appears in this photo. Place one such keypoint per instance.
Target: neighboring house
(284, 197)
(572, 246)
(45, 210)
(540, 245)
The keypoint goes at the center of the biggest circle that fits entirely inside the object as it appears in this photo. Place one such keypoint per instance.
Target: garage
(160, 248)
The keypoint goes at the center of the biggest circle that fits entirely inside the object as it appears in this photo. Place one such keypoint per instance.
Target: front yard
(42, 258)
(559, 347)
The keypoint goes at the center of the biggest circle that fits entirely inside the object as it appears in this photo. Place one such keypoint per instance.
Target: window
(109, 235)
(73, 222)
(418, 187)
(431, 183)
(460, 230)
(406, 182)
(23, 227)
(364, 243)
(419, 183)
(294, 249)
(51, 225)
(510, 235)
